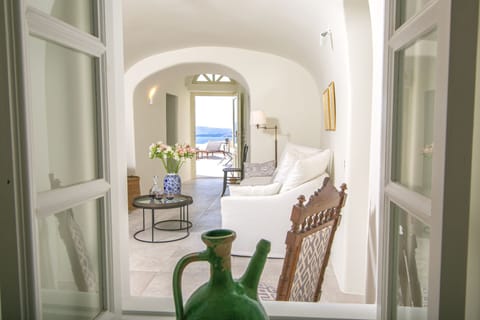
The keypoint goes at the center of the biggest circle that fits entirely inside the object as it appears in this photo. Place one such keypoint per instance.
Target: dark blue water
(205, 134)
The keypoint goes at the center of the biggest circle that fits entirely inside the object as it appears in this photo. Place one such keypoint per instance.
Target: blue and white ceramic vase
(172, 184)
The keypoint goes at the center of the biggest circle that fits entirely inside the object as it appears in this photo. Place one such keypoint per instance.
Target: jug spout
(251, 277)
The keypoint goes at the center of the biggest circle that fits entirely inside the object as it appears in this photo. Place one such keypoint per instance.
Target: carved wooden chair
(309, 243)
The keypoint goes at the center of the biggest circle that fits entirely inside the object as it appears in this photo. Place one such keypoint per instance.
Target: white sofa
(257, 212)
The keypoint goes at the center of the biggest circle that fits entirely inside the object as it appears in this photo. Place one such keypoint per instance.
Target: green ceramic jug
(222, 298)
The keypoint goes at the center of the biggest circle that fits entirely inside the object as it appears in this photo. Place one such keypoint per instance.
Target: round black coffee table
(178, 201)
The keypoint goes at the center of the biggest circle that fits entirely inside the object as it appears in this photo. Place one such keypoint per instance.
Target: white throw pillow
(291, 153)
(286, 164)
(264, 190)
(307, 151)
(306, 169)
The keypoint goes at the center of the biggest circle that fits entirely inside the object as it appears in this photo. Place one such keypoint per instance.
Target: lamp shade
(257, 117)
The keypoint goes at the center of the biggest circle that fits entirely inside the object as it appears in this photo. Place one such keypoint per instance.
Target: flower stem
(164, 164)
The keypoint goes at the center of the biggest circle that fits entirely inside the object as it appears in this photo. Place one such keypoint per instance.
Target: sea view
(205, 134)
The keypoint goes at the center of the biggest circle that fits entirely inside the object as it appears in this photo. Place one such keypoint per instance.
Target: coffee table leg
(182, 216)
(153, 223)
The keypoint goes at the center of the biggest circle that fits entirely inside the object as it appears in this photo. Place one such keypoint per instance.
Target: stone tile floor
(151, 265)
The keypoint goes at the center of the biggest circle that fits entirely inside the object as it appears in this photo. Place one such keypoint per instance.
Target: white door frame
(16, 286)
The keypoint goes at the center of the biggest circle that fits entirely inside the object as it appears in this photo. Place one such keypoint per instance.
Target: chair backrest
(244, 159)
(213, 146)
(309, 242)
(244, 153)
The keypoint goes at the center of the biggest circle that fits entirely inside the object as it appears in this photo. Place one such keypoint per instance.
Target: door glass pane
(413, 110)
(71, 267)
(411, 247)
(407, 9)
(78, 13)
(64, 106)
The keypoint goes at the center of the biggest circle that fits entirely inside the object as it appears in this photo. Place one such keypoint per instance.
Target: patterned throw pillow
(264, 169)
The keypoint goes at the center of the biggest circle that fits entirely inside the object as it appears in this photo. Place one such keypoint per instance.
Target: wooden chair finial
(301, 199)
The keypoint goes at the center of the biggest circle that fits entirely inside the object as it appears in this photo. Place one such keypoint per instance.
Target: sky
(213, 111)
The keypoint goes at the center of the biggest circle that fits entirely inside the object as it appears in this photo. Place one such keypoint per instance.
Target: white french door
(66, 123)
(237, 130)
(419, 167)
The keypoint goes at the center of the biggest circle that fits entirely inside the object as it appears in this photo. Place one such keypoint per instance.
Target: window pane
(64, 110)
(407, 9)
(411, 247)
(71, 268)
(78, 13)
(413, 110)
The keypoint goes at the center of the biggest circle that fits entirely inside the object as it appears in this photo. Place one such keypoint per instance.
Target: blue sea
(205, 134)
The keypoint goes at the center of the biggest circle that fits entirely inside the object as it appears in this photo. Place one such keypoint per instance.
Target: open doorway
(216, 131)
(171, 113)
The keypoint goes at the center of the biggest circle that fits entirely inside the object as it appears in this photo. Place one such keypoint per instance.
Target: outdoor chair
(234, 175)
(211, 148)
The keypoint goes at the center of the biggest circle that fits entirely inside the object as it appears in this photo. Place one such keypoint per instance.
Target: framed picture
(329, 109)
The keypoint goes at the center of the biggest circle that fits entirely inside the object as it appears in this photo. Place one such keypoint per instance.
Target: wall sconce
(259, 119)
(323, 38)
(151, 93)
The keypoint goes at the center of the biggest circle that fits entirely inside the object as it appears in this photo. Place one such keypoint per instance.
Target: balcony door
(429, 81)
(63, 72)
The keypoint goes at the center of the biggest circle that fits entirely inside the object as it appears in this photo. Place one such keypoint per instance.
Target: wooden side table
(133, 190)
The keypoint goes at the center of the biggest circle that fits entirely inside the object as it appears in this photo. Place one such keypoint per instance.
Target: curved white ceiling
(288, 28)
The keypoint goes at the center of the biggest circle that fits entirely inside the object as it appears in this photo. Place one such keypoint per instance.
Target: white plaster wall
(358, 155)
(336, 69)
(472, 310)
(283, 89)
(150, 123)
(377, 9)
(349, 64)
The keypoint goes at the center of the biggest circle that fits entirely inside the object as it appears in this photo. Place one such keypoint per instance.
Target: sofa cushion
(306, 169)
(290, 155)
(261, 190)
(286, 164)
(256, 181)
(305, 150)
(263, 169)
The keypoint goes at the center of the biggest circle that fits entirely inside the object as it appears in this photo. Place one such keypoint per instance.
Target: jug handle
(177, 277)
